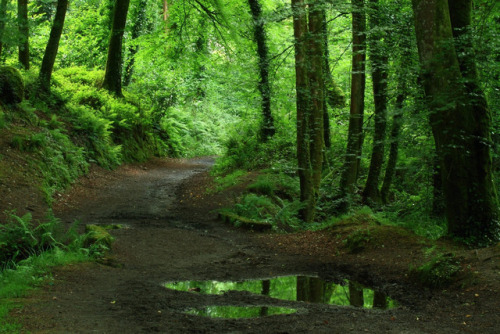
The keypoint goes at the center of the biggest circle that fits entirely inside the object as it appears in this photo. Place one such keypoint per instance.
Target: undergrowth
(28, 251)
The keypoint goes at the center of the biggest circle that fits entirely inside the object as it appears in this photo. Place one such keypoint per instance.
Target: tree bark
(397, 120)
(461, 129)
(113, 76)
(136, 31)
(50, 54)
(317, 89)
(24, 46)
(310, 99)
(3, 18)
(350, 170)
(259, 33)
(379, 60)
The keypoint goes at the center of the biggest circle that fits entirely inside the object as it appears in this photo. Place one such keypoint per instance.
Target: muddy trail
(170, 233)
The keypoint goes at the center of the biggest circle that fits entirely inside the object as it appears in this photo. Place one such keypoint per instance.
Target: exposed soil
(171, 233)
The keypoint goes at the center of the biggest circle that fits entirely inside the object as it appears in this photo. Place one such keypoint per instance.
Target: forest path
(171, 233)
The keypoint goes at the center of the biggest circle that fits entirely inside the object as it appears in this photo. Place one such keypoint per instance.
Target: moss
(97, 236)
(11, 85)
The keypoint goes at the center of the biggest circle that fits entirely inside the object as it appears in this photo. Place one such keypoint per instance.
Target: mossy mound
(97, 235)
(11, 85)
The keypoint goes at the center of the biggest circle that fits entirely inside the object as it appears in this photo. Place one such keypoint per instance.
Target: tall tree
(113, 76)
(3, 18)
(49, 56)
(334, 97)
(139, 17)
(310, 89)
(24, 46)
(404, 76)
(379, 63)
(350, 170)
(460, 125)
(259, 33)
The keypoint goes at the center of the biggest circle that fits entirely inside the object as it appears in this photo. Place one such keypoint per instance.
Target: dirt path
(172, 234)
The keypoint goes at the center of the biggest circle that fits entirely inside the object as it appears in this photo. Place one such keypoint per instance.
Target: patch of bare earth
(172, 233)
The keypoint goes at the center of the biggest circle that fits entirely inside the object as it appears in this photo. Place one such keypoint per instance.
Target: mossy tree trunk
(50, 54)
(350, 169)
(259, 35)
(334, 97)
(310, 99)
(24, 45)
(3, 18)
(113, 76)
(138, 25)
(461, 128)
(404, 77)
(397, 121)
(380, 62)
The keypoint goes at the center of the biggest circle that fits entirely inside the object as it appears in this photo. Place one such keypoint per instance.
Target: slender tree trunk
(3, 18)
(397, 120)
(166, 14)
(317, 89)
(334, 97)
(24, 46)
(259, 33)
(49, 57)
(136, 31)
(113, 76)
(302, 91)
(461, 129)
(327, 79)
(380, 62)
(350, 170)
(309, 86)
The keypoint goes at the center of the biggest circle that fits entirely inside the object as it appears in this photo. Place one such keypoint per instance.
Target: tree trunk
(380, 62)
(460, 127)
(49, 57)
(317, 89)
(3, 18)
(309, 87)
(397, 121)
(259, 33)
(136, 31)
(24, 46)
(166, 14)
(355, 133)
(113, 76)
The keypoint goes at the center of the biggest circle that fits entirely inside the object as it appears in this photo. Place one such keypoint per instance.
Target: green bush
(20, 238)
(439, 271)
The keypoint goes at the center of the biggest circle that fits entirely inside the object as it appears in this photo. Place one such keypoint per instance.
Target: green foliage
(271, 200)
(439, 271)
(229, 180)
(20, 238)
(357, 240)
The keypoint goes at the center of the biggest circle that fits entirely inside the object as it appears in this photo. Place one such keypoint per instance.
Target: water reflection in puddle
(300, 288)
(239, 312)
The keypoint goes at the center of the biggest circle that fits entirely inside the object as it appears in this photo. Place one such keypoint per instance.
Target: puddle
(239, 312)
(294, 288)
